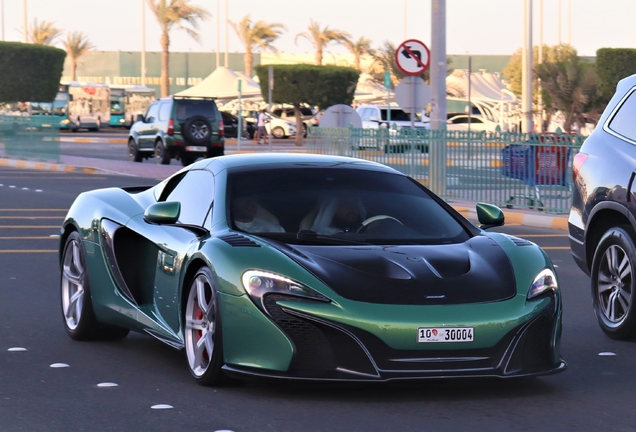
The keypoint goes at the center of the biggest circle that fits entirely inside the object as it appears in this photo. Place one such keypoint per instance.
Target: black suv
(602, 221)
(183, 128)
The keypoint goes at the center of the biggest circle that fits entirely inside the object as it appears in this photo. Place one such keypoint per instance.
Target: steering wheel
(368, 221)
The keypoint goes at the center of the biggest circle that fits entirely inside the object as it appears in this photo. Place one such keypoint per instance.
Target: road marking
(541, 235)
(32, 217)
(33, 210)
(27, 251)
(30, 226)
(555, 247)
(30, 238)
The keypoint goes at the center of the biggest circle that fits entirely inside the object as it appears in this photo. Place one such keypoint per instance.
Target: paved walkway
(151, 170)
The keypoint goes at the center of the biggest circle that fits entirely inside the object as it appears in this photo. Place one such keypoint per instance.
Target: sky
(472, 26)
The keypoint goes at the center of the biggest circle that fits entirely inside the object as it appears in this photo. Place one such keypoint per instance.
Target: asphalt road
(596, 392)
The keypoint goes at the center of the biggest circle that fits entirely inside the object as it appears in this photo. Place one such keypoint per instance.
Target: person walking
(261, 131)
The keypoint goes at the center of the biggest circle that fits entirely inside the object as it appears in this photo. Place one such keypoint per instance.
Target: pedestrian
(261, 131)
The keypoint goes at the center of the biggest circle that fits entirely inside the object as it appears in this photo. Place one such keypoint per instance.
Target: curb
(512, 217)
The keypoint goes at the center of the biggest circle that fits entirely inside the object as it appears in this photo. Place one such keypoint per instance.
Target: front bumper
(325, 350)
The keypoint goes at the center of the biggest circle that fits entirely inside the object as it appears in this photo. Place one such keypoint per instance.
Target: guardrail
(503, 168)
(29, 137)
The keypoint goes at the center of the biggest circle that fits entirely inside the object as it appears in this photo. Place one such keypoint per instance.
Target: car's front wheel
(77, 307)
(203, 344)
(278, 132)
(614, 283)
(134, 155)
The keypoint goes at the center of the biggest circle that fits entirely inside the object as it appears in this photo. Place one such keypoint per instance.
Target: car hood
(475, 271)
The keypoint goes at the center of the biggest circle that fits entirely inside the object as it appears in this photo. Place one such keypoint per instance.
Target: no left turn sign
(412, 57)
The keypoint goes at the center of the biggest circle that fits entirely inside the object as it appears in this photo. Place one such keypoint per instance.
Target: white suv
(375, 116)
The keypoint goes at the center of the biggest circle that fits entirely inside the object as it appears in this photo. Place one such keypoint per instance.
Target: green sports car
(308, 267)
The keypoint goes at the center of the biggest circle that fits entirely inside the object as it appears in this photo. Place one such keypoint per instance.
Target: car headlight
(65, 122)
(544, 281)
(257, 283)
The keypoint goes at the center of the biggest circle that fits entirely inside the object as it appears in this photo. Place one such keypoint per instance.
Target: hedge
(30, 73)
(321, 86)
(612, 65)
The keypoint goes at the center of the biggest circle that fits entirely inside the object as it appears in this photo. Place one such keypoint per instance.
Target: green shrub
(29, 72)
(612, 65)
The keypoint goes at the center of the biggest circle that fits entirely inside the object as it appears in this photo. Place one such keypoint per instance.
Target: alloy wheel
(199, 130)
(614, 284)
(72, 284)
(200, 325)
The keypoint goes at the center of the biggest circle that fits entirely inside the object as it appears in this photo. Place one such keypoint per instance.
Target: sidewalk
(151, 170)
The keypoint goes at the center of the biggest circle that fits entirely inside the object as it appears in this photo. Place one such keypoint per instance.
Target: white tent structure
(488, 94)
(223, 84)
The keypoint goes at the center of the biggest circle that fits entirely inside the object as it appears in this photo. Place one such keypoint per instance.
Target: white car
(278, 127)
(477, 123)
(376, 116)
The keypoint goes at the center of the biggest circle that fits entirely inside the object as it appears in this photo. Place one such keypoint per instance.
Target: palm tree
(258, 35)
(170, 13)
(567, 87)
(321, 38)
(76, 45)
(358, 48)
(43, 33)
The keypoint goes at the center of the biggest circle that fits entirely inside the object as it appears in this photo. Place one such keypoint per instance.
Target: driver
(244, 211)
(339, 215)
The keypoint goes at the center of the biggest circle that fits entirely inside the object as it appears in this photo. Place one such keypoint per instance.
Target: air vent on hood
(238, 240)
(519, 241)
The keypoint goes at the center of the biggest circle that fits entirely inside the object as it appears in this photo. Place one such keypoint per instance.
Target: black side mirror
(139, 118)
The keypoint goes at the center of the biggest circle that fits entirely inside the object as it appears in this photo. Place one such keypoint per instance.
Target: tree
(551, 54)
(358, 48)
(321, 38)
(76, 45)
(259, 35)
(568, 86)
(320, 86)
(612, 65)
(170, 13)
(29, 72)
(43, 33)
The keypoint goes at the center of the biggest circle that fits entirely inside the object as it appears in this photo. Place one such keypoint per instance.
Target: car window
(188, 108)
(365, 113)
(277, 112)
(164, 111)
(195, 192)
(396, 114)
(623, 121)
(153, 111)
(295, 198)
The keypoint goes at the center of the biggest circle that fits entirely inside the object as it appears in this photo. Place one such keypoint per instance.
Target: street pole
(2, 5)
(143, 42)
(569, 22)
(240, 117)
(404, 20)
(227, 36)
(24, 20)
(539, 61)
(218, 32)
(559, 22)
(437, 149)
(270, 85)
(526, 69)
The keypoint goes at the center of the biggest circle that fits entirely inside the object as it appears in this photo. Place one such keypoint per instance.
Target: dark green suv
(183, 128)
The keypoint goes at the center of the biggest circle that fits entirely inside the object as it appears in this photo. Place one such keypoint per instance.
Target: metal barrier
(502, 168)
(29, 137)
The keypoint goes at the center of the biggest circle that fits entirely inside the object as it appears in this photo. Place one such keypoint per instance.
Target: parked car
(230, 126)
(602, 220)
(307, 115)
(278, 127)
(376, 116)
(477, 123)
(308, 267)
(183, 128)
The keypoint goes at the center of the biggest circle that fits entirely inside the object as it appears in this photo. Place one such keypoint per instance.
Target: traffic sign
(412, 57)
(339, 116)
(412, 94)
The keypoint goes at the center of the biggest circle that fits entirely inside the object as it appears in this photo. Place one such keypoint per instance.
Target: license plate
(196, 148)
(445, 334)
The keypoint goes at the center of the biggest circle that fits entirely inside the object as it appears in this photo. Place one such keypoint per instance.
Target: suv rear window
(189, 108)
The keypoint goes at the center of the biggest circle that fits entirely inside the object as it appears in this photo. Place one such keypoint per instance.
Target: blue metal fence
(27, 137)
(502, 168)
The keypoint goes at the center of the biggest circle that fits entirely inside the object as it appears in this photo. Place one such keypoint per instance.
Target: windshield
(117, 105)
(299, 205)
(57, 107)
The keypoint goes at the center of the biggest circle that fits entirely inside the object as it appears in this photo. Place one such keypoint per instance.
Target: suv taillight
(578, 162)
(171, 127)
(221, 130)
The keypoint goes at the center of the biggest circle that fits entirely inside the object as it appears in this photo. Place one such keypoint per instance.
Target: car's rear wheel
(614, 283)
(77, 307)
(203, 343)
(134, 155)
(161, 154)
(278, 132)
(197, 130)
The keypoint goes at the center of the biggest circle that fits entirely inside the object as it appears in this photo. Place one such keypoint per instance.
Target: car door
(146, 130)
(173, 246)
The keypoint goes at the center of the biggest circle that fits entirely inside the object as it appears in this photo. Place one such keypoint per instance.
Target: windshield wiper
(309, 235)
